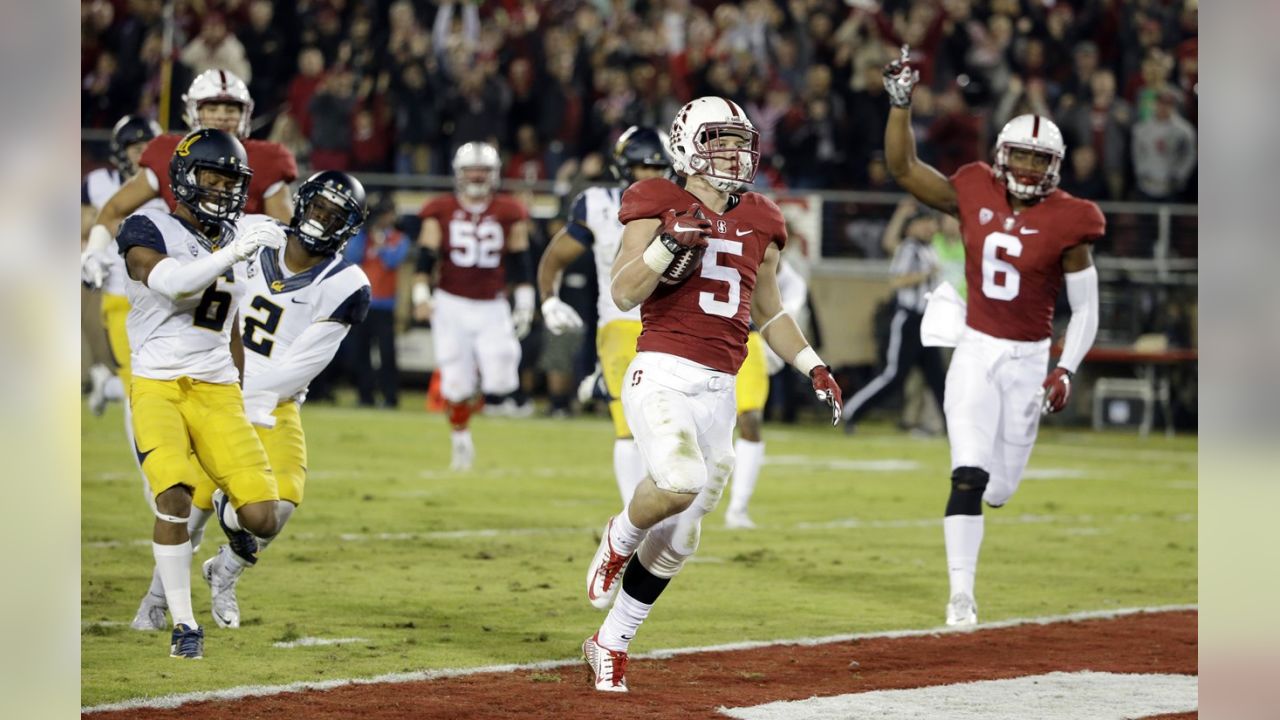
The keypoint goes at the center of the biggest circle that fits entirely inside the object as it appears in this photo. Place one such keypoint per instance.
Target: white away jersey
(280, 304)
(95, 191)
(593, 221)
(188, 337)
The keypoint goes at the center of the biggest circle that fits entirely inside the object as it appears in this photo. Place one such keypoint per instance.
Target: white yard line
(995, 518)
(315, 642)
(247, 691)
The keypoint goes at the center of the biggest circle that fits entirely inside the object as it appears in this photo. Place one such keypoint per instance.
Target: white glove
(522, 314)
(94, 260)
(263, 235)
(559, 316)
(259, 406)
(900, 79)
(93, 269)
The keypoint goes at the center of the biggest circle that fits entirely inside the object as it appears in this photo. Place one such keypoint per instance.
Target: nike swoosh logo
(743, 232)
(681, 228)
(1028, 231)
(628, 638)
(142, 456)
(300, 302)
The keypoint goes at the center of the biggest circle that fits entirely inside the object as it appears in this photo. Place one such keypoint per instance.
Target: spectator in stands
(956, 134)
(379, 249)
(1102, 123)
(417, 120)
(1081, 176)
(332, 108)
(477, 107)
(215, 48)
(527, 164)
(1164, 151)
(303, 87)
(104, 92)
(265, 50)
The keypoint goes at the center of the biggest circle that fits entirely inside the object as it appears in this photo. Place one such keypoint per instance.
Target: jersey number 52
(475, 244)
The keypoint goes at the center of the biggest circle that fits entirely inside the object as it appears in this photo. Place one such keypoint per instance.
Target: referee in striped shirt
(915, 269)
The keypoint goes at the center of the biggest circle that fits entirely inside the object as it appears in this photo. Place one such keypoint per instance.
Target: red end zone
(696, 684)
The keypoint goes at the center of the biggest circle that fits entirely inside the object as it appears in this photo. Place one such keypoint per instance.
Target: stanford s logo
(721, 227)
(635, 377)
(184, 147)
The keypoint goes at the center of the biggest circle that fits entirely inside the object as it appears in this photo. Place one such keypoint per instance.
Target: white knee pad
(457, 387)
(669, 544)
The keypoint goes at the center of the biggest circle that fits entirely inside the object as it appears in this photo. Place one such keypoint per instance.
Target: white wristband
(420, 293)
(806, 360)
(658, 257)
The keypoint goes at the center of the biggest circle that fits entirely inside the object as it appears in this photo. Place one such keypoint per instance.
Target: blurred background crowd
(395, 86)
(388, 89)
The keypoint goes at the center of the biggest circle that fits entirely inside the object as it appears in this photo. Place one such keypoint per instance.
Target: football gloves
(559, 316)
(1057, 390)
(685, 229)
(828, 391)
(262, 235)
(900, 79)
(522, 313)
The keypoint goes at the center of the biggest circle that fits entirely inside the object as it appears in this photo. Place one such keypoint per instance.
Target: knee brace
(967, 486)
(661, 559)
(172, 518)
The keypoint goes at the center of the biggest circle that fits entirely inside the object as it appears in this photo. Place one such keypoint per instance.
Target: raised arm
(916, 177)
(132, 195)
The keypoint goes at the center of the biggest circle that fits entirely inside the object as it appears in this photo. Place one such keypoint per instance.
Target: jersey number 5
(1000, 279)
(711, 271)
(475, 244)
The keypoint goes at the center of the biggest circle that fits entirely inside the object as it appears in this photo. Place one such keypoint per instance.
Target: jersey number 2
(1000, 279)
(475, 244)
(711, 271)
(268, 326)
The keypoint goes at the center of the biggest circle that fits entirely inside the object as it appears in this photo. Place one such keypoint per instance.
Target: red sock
(459, 414)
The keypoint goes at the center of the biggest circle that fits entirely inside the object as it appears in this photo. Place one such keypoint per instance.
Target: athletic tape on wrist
(807, 359)
(658, 257)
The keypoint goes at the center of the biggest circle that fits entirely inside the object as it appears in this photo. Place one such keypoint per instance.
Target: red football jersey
(1013, 261)
(473, 244)
(270, 161)
(707, 317)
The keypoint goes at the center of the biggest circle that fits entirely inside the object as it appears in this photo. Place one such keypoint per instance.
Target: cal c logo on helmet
(184, 148)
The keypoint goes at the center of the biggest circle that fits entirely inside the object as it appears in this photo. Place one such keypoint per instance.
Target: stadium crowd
(396, 86)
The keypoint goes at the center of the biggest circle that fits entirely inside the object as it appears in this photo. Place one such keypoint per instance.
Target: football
(682, 266)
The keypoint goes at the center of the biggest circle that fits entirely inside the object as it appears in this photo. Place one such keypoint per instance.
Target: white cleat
(608, 667)
(464, 452)
(152, 614)
(962, 611)
(99, 376)
(222, 587)
(738, 520)
(604, 574)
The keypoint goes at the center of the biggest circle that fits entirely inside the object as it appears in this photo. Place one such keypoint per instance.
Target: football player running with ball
(1024, 238)
(186, 276)
(701, 261)
(300, 303)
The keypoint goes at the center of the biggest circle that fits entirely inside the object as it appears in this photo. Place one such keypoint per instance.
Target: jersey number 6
(1000, 279)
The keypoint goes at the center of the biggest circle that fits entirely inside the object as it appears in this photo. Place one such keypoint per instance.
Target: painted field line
(838, 524)
(316, 642)
(247, 691)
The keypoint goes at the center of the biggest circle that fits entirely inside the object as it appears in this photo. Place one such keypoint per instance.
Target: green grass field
(432, 569)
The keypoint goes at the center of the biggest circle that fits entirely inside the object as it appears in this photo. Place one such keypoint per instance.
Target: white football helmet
(218, 86)
(476, 155)
(1037, 134)
(694, 131)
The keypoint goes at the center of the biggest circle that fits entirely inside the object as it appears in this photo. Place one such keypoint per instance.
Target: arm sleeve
(1082, 292)
(576, 224)
(520, 267)
(84, 193)
(794, 290)
(306, 357)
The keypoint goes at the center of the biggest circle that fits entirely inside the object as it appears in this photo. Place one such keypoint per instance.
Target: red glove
(1057, 390)
(684, 229)
(825, 387)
